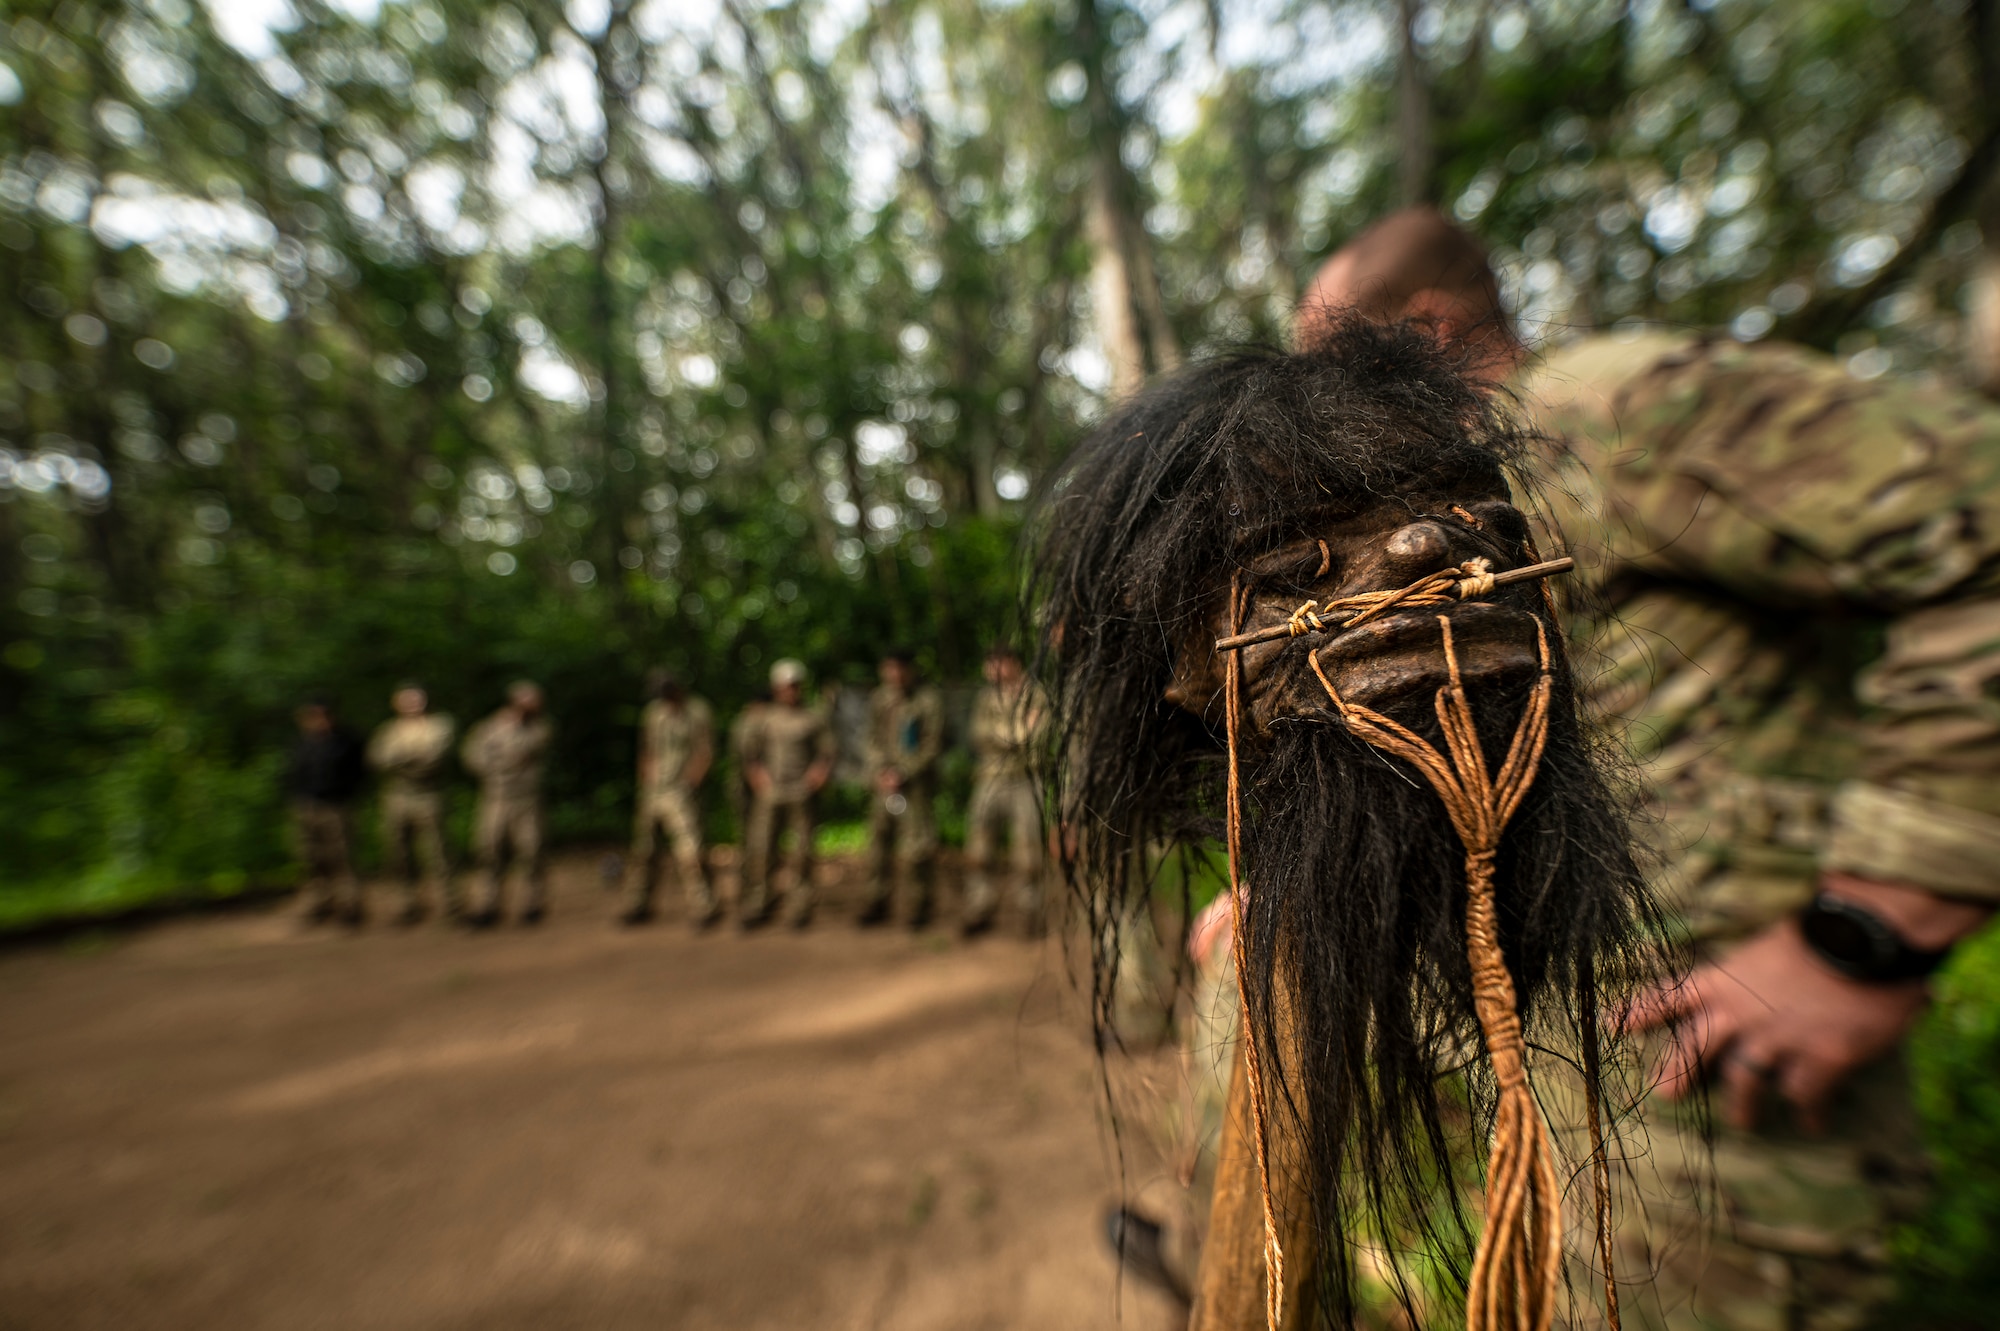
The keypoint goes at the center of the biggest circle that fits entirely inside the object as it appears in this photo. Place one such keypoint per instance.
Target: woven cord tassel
(1516, 1270)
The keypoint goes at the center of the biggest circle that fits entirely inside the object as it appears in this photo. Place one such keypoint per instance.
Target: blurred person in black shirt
(326, 772)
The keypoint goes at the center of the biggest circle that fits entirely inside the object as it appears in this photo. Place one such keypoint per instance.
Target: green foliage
(477, 341)
(1950, 1278)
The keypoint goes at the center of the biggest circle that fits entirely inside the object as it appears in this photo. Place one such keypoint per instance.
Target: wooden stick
(1547, 568)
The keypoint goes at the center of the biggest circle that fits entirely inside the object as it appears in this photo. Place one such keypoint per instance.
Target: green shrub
(1950, 1260)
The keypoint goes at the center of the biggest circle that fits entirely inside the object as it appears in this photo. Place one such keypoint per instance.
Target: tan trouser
(760, 846)
(413, 837)
(679, 815)
(902, 832)
(322, 833)
(509, 832)
(1008, 809)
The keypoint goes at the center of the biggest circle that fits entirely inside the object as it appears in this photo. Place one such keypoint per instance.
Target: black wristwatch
(1856, 942)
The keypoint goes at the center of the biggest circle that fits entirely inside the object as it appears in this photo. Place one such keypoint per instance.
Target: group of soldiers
(785, 750)
(410, 752)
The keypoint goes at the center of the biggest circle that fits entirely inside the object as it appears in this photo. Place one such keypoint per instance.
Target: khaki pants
(1008, 809)
(413, 837)
(768, 818)
(901, 831)
(322, 835)
(677, 813)
(509, 832)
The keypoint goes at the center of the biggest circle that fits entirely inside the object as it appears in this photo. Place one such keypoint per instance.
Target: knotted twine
(1516, 1267)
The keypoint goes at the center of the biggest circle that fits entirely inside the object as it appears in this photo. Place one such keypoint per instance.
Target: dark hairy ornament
(1289, 602)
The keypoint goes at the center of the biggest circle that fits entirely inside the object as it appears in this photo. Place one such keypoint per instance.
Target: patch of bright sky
(250, 25)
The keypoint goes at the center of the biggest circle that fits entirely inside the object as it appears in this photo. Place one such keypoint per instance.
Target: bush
(1950, 1260)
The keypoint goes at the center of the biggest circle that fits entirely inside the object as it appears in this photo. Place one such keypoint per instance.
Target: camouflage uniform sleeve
(1770, 472)
(877, 750)
(474, 753)
(988, 740)
(378, 746)
(747, 737)
(927, 709)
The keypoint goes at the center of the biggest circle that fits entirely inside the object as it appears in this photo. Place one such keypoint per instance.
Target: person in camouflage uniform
(905, 738)
(1008, 718)
(322, 777)
(787, 753)
(1789, 581)
(676, 749)
(507, 752)
(408, 752)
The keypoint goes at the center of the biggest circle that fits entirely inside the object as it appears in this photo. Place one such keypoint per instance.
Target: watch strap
(1860, 945)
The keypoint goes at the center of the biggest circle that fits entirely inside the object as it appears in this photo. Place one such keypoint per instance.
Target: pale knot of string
(1468, 581)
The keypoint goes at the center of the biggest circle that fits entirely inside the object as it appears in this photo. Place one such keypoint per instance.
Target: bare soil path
(229, 1123)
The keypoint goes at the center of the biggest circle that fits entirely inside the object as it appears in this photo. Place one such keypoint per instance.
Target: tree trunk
(1413, 114)
(1111, 292)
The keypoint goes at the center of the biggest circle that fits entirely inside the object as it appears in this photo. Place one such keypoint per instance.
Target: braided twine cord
(1516, 1269)
(1274, 1253)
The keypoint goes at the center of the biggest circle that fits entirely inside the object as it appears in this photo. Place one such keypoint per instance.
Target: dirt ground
(229, 1122)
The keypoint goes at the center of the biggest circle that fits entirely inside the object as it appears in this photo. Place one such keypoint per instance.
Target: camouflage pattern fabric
(670, 736)
(786, 742)
(769, 819)
(905, 736)
(322, 835)
(410, 751)
(507, 755)
(676, 813)
(509, 832)
(1788, 610)
(413, 846)
(1006, 806)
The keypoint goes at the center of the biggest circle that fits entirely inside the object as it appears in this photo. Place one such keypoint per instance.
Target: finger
(1656, 1006)
(1690, 1045)
(1744, 1075)
(1806, 1083)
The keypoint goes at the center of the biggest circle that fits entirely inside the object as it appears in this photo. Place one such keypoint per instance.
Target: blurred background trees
(460, 340)
(456, 340)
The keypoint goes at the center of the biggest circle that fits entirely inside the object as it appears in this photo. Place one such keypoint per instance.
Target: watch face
(1840, 936)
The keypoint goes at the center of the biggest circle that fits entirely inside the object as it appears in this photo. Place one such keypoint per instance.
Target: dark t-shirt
(329, 768)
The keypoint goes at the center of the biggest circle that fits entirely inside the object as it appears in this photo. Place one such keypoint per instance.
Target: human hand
(1771, 1014)
(817, 776)
(759, 779)
(888, 781)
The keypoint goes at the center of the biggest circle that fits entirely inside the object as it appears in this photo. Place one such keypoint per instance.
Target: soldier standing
(1798, 628)
(506, 752)
(322, 778)
(409, 752)
(676, 749)
(788, 752)
(905, 737)
(1007, 722)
